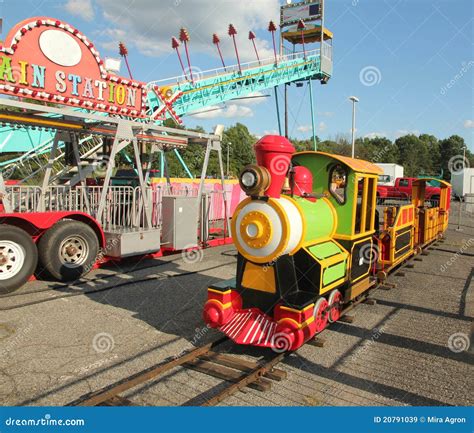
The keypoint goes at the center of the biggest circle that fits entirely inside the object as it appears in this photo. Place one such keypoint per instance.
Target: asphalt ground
(58, 342)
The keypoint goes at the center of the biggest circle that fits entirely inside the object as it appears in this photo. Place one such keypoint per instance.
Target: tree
(377, 149)
(412, 154)
(241, 143)
(451, 152)
(432, 165)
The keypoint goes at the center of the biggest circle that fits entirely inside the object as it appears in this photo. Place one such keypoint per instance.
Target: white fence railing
(124, 206)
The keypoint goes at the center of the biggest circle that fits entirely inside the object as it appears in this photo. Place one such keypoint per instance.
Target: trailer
(390, 173)
(463, 182)
(62, 230)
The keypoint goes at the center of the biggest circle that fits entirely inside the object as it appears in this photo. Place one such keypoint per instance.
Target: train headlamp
(254, 180)
(249, 179)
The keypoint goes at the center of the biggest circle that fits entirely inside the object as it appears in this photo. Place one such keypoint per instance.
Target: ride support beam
(181, 161)
(143, 190)
(277, 109)
(122, 139)
(311, 103)
(49, 168)
(82, 176)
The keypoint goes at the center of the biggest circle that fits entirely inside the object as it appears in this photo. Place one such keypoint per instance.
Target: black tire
(54, 259)
(380, 201)
(16, 241)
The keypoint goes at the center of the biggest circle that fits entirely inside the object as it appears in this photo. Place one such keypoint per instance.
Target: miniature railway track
(239, 373)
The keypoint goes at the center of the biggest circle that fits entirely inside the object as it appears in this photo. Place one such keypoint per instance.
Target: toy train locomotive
(310, 240)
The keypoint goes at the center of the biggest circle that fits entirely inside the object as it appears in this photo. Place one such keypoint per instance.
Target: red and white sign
(48, 60)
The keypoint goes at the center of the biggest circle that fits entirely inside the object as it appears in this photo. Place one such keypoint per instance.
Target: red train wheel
(321, 314)
(335, 303)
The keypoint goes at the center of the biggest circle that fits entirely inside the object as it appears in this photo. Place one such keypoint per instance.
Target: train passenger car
(308, 237)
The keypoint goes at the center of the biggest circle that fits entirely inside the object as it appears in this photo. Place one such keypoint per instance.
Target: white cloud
(402, 132)
(80, 8)
(148, 25)
(304, 128)
(308, 128)
(253, 98)
(469, 124)
(229, 111)
(375, 135)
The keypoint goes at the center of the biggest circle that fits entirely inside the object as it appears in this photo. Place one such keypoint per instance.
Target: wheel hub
(73, 251)
(3, 259)
(12, 259)
(70, 250)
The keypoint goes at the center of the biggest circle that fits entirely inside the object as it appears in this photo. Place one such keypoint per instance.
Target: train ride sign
(48, 60)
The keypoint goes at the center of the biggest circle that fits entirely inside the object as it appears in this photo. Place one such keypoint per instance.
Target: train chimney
(274, 153)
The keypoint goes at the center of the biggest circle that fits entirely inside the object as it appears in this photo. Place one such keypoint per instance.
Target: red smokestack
(274, 153)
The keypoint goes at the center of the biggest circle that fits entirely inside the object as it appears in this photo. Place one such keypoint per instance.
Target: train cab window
(365, 207)
(360, 192)
(338, 183)
(370, 207)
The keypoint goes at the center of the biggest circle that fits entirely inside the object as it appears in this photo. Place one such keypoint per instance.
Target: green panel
(318, 165)
(319, 218)
(334, 273)
(324, 250)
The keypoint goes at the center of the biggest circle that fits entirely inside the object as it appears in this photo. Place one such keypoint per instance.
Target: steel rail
(97, 397)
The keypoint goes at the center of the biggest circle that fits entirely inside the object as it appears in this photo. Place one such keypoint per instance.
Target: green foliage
(419, 155)
(237, 139)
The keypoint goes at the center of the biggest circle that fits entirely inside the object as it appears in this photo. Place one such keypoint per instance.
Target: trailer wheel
(68, 250)
(18, 258)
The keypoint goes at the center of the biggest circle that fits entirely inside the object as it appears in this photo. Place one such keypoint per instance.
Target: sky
(410, 62)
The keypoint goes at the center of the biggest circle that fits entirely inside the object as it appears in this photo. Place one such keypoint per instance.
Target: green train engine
(304, 237)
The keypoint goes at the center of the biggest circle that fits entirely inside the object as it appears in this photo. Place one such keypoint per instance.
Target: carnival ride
(54, 221)
(310, 242)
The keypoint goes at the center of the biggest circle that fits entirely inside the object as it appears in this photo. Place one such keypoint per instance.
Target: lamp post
(228, 154)
(354, 99)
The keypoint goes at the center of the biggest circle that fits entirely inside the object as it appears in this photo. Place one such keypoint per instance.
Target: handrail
(234, 68)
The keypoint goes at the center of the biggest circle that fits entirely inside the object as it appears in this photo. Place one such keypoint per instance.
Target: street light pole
(354, 99)
(464, 165)
(228, 153)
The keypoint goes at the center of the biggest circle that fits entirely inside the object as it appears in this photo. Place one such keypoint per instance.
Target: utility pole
(354, 99)
(228, 158)
(286, 109)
